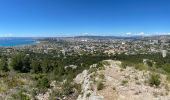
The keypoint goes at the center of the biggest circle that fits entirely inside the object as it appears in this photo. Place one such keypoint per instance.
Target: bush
(78, 87)
(166, 67)
(20, 96)
(140, 66)
(35, 65)
(100, 64)
(154, 80)
(67, 88)
(106, 63)
(101, 76)
(114, 88)
(93, 69)
(124, 82)
(3, 65)
(16, 62)
(100, 86)
(168, 78)
(124, 64)
(88, 95)
(20, 62)
(43, 84)
(149, 63)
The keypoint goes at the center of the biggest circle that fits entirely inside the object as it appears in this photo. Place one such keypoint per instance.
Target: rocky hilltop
(112, 82)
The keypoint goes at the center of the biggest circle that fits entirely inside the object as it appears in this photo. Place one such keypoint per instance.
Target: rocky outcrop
(121, 84)
(88, 93)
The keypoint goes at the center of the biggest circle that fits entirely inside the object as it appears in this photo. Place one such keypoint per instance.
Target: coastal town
(91, 45)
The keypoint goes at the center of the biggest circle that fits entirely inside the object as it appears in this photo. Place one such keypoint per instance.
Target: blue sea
(10, 42)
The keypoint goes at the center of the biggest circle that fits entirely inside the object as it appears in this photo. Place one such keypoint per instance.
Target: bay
(10, 42)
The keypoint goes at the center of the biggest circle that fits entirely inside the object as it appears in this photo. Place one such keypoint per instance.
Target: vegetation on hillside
(34, 72)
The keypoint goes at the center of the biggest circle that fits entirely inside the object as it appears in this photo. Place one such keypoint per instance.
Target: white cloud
(89, 34)
(85, 33)
(6, 35)
(141, 33)
(129, 33)
(146, 34)
(135, 34)
(161, 33)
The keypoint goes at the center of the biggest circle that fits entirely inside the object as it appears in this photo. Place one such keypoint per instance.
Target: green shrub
(106, 63)
(20, 62)
(43, 84)
(124, 64)
(149, 63)
(11, 83)
(101, 76)
(35, 66)
(100, 65)
(166, 67)
(93, 69)
(20, 96)
(67, 88)
(88, 95)
(3, 65)
(140, 66)
(124, 82)
(114, 88)
(168, 78)
(154, 80)
(100, 86)
(77, 87)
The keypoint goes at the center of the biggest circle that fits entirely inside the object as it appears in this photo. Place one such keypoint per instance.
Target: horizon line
(81, 36)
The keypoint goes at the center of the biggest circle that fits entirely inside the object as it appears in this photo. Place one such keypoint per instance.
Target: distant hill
(109, 37)
(153, 37)
(158, 37)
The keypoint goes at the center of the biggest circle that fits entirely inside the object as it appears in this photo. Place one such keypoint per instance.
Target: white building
(164, 52)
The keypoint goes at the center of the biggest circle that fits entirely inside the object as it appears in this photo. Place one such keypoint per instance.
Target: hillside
(113, 82)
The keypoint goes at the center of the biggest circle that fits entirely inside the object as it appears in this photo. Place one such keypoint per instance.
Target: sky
(55, 18)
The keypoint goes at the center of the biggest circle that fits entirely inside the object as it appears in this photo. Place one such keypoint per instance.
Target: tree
(3, 65)
(45, 65)
(16, 62)
(26, 64)
(21, 62)
(35, 66)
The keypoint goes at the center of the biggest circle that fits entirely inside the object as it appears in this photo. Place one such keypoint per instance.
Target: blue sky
(84, 17)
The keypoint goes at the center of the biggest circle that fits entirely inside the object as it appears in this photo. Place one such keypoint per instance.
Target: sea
(11, 42)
